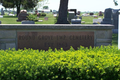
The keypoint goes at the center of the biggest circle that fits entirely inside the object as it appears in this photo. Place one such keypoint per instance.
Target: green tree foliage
(115, 2)
(45, 7)
(26, 4)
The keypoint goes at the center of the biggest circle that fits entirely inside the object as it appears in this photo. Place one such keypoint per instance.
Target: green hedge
(83, 64)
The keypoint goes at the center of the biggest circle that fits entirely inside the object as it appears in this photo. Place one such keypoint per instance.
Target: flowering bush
(83, 64)
(32, 17)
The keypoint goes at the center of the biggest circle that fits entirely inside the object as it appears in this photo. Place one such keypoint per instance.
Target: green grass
(115, 40)
(12, 20)
(51, 19)
(9, 20)
(89, 19)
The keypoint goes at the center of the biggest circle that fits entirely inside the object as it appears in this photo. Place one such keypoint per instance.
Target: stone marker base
(43, 36)
(76, 21)
(106, 21)
(28, 22)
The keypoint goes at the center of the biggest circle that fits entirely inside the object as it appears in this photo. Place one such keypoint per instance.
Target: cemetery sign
(44, 40)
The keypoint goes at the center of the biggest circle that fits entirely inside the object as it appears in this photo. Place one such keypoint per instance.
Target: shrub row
(83, 64)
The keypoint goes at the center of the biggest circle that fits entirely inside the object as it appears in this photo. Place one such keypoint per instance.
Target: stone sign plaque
(44, 40)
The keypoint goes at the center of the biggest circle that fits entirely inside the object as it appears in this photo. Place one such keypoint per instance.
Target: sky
(84, 5)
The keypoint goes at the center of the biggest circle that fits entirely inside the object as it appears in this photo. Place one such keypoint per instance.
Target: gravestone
(28, 22)
(76, 21)
(96, 21)
(119, 32)
(54, 12)
(74, 10)
(91, 14)
(1, 16)
(71, 15)
(2, 12)
(95, 16)
(0, 22)
(100, 13)
(55, 15)
(80, 17)
(107, 16)
(22, 15)
(115, 15)
(78, 13)
(45, 18)
(75, 17)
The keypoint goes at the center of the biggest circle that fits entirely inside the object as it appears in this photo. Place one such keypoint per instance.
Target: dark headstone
(22, 15)
(75, 10)
(75, 17)
(115, 16)
(78, 13)
(107, 16)
(71, 15)
(80, 17)
(100, 13)
(0, 22)
(2, 12)
(95, 23)
(91, 14)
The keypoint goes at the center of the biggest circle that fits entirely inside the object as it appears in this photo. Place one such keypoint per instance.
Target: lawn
(51, 19)
(12, 20)
(115, 40)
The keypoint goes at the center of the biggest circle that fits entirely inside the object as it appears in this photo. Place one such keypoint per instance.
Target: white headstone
(1, 16)
(97, 20)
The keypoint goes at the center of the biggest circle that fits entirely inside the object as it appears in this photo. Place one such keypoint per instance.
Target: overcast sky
(85, 5)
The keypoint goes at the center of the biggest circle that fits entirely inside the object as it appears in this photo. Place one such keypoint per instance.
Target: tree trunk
(18, 10)
(62, 18)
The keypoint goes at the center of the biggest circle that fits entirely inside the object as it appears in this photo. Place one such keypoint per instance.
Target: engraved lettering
(47, 44)
(45, 37)
(63, 44)
(61, 37)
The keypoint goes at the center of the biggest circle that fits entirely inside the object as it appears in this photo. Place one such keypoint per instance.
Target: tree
(45, 7)
(26, 4)
(62, 18)
(115, 2)
(42, 3)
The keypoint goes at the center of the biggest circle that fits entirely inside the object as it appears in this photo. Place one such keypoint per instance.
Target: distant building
(44, 10)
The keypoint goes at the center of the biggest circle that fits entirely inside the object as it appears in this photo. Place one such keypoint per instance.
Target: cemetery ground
(51, 19)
